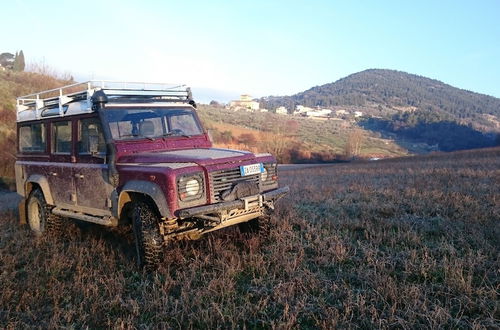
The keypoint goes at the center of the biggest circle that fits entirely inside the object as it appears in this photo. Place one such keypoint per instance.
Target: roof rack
(81, 93)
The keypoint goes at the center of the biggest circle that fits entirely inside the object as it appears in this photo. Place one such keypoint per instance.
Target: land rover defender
(116, 153)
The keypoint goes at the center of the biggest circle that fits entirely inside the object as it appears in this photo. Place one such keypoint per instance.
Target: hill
(386, 90)
(407, 105)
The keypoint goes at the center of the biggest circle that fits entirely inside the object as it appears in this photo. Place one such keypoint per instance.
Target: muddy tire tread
(149, 242)
(53, 223)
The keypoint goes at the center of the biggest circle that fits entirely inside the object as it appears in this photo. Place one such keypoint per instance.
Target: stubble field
(396, 243)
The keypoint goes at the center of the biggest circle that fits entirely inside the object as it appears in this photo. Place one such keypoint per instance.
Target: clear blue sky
(259, 47)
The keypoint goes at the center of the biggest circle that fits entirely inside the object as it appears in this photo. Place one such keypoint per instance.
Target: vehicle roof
(149, 105)
(77, 109)
(77, 98)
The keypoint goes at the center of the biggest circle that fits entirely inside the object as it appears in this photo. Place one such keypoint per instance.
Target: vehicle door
(91, 171)
(60, 171)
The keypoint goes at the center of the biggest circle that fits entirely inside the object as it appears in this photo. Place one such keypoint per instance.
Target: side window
(90, 130)
(61, 141)
(32, 138)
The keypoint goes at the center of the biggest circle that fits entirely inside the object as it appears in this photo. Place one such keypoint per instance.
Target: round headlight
(192, 187)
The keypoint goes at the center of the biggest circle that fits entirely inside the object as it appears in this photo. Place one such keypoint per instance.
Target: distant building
(341, 112)
(358, 114)
(301, 110)
(282, 111)
(319, 113)
(245, 102)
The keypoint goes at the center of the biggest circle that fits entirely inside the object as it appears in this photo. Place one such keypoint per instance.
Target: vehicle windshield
(151, 122)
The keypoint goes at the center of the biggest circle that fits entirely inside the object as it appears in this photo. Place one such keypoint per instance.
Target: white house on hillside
(319, 113)
(282, 111)
(302, 110)
(245, 102)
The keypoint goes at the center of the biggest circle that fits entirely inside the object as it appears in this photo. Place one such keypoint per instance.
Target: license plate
(251, 169)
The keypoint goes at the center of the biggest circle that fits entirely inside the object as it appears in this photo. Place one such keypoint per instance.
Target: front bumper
(271, 195)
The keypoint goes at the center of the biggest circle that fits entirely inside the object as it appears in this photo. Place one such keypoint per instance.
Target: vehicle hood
(200, 156)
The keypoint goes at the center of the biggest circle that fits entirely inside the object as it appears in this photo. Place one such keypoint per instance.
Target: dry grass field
(390, 244)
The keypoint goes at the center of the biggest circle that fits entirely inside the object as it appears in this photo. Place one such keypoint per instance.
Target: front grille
(225, 179)
(271, 173)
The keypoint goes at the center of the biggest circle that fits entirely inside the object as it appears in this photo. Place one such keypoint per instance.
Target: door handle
(79, 176)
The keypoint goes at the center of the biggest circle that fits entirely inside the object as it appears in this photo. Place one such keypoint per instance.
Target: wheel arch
(40, 181)
(149, 190)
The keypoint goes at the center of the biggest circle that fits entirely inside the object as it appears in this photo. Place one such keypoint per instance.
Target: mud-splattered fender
(150, 189)
(44, 185)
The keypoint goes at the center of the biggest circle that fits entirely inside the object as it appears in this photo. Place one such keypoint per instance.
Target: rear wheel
(40, 218)
(148, 241)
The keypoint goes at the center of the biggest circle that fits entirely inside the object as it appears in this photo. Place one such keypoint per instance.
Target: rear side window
(32, 138)
(61, 137)
(89, 128)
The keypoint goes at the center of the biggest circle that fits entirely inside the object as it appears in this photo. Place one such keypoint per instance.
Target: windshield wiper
(137, 135)
(176, 134)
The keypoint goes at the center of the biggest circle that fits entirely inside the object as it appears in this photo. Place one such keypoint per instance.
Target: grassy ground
(395, 243)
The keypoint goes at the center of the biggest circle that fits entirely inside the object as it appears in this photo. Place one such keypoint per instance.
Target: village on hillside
(246, 103)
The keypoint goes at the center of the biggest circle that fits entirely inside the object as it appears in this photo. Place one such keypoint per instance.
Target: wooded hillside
(389, 91)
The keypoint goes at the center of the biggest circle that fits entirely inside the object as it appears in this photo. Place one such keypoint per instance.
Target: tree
(279, 138)
(22, 63)
(248, 139)
(226, 137)
(215, 104)
(7, 60)
(353, 143)
(19, 63)
(15, 66)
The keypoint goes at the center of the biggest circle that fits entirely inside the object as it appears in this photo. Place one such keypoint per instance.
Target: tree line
(433, 128)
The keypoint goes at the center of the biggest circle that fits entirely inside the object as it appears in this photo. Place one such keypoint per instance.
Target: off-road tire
(148, 241)
(260, 226)
(40, 217)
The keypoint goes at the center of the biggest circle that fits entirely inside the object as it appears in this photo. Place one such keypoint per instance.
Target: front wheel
(148, 241)
(40, 218)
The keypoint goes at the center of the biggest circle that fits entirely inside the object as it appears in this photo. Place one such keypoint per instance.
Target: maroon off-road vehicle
(119, 153)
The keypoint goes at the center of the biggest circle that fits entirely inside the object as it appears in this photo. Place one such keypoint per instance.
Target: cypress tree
(22, 63)
(15, 65)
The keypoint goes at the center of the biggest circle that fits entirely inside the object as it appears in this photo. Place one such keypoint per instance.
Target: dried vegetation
(395, 243)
